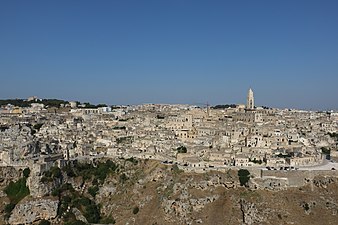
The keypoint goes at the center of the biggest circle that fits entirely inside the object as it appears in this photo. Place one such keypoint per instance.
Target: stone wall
(298, 177)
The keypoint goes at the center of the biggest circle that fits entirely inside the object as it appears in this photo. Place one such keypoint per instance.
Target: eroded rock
(250, 213)
(31, 210)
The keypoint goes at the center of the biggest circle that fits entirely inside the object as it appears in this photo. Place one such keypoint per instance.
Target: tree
(26, 172)
(326, 151)
(244, 177)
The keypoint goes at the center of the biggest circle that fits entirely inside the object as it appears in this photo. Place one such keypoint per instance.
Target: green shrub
(95, 181)
(69, 171)
(44, 222)
(45, 179)
(93, 190)
(334, 135)
(119, 128)
(67, 187)
(53, 172)
(182, 149)
(56, 172)
(132, 160)
(108, 220)
(176, 170)
(69, 197)
(123, 178)
(326, 151)
(92, 213)
(56, 192)
(9, 207)
(136, 210)
(99, 173)
(76, 222)
(89, 209)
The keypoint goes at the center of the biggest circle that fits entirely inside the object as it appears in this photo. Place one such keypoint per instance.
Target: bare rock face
(331, 205)
(38, 188)
(8, 174)
(250, 213)
(29, 211)
(78, 215)
(106, 191)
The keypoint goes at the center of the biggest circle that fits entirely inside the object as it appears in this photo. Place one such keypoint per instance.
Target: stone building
(250, 101)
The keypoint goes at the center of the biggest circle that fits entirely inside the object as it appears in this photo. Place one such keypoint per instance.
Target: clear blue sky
(130, 52)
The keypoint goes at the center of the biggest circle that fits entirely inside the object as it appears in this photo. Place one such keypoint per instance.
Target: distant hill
(47, 102)
(25, 103)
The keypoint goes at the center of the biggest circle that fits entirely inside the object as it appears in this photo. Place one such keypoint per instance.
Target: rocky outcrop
(31, 210)
(40, 189)
(78, 215)
(8, 174)
(308, 206)
(322, 182)
(106, 191)
(250, 213)
(185, 204)
(332, 205)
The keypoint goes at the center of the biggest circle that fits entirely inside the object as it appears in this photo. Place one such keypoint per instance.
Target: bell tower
(250, 102)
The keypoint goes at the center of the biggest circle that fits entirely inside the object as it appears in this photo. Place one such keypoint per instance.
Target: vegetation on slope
(25, 103)
(70, 198)
(89, 171)
(94, 173)
(16, 191)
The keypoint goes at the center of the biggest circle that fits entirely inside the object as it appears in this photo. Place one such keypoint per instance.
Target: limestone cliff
(30, 210)
(148, 192)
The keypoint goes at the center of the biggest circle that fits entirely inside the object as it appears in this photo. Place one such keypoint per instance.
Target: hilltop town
(189, 136)
(280, 148)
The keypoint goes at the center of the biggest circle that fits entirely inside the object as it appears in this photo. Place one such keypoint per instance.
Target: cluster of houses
(189, 136)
